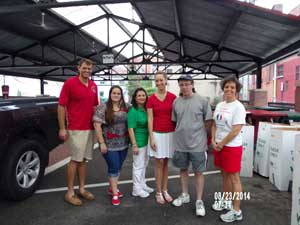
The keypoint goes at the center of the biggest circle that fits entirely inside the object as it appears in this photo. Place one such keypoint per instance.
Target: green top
(138, 120)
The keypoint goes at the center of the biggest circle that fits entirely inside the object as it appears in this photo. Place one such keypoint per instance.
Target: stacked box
(296, 184)
(262, 156)
(282, 145)
(258, 97)
(248, 151)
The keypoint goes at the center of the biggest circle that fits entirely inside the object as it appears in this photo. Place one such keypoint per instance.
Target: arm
(61, 115)
(213, 135)
(150, 128)
(229, 137)
(99, 134)
(133, 141)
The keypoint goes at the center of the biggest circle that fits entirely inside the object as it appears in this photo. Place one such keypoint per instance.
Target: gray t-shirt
(190, 113)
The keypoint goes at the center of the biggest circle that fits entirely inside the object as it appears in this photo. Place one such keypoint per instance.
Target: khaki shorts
(80, 144)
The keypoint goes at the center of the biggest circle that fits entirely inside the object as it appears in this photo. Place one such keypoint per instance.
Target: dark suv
(28, 132)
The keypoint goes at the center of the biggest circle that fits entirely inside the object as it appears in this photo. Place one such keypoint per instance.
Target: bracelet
(101, 143)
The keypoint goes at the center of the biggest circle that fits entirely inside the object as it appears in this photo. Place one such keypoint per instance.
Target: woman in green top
(138, 132)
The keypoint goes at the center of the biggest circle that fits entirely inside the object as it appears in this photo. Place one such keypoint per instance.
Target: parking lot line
(105, 184)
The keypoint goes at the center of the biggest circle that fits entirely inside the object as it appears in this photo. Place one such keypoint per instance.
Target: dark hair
(133, 101)
(193, 89)
(231, 78)
(86, 61)
(109, 114)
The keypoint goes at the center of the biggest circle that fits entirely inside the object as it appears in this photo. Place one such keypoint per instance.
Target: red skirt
(229, 159)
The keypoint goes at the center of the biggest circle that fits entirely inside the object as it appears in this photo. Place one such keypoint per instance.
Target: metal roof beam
(282, 54)
(42, 6)
(255, 58)
(225, 35)
(178, 28)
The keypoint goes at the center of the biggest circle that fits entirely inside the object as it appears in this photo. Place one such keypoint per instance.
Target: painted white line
(106, 184)
(61, 163)
(57, 165)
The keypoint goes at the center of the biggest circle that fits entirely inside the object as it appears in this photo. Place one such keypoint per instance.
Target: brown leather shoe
(73, 200)
(87, 195)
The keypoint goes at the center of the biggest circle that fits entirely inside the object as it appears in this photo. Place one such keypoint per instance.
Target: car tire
(23, 169)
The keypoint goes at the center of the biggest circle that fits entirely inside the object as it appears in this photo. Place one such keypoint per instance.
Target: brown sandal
(73, 200)
(87, 195)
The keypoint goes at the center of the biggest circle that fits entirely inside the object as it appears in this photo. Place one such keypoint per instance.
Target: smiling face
(140, 98)
(85, 70)
(230, 91)
(160, 81)
(186, 87)
(116, 95)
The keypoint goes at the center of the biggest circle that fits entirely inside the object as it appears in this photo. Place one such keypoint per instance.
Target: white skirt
(164, 145)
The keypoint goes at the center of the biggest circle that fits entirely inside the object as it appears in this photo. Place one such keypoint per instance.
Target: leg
(71, 172)
(81, 171)
(236, 188)
(165, 174)
(184, 178)
(138, 175)
(159, 165)
(199, 183)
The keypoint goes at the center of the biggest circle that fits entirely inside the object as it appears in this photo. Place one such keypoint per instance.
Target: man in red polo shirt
(77, 101)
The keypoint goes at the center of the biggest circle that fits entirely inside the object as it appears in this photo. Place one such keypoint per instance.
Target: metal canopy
(218, 37)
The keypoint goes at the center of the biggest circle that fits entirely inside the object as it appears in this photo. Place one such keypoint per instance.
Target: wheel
(23, 169)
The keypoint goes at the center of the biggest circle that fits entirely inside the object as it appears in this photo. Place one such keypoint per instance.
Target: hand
(219, 146)
(152, 144)
(135, 150)
(103, 148)
(63, 134)
(214, 145)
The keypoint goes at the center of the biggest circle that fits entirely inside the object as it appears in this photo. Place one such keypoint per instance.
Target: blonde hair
(162, 73)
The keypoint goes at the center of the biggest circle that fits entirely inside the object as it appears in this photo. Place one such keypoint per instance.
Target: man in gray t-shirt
(193, 116)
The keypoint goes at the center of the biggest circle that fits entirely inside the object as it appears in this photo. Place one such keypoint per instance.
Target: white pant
(140, 162)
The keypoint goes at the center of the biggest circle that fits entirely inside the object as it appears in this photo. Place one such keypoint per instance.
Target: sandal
(87, 195)
(73, 200)
(167, 197)
(159, 198)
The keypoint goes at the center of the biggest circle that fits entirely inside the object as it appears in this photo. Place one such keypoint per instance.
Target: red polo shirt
(79, 101)
(162, 112)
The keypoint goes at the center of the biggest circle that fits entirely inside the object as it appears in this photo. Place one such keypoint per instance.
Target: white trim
(57, 165)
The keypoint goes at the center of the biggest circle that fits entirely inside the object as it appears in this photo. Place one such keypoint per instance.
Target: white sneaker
(200, 209)
(148, 189)
(140, 193)
(220, 205)
(231, 216)
(181, 199)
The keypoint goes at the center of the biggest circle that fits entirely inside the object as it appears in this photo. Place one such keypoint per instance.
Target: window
(297, 72)
(280, 71)
(286, 85)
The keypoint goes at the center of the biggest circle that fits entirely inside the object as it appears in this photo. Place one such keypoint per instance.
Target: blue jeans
(114, 161)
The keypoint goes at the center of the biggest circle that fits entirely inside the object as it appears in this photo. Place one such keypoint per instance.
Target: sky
(288, 5)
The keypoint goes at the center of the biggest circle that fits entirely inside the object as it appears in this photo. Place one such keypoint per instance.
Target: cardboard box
(296, 183)
(248, 151)
(262, 153)
(282, 145)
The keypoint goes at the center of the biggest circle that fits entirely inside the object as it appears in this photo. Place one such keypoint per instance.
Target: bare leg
(165, 175)
(237, 189)
(199, 182)
(81, 171)
(71, 173)
(159, 165)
